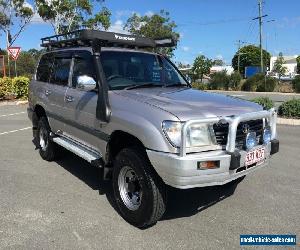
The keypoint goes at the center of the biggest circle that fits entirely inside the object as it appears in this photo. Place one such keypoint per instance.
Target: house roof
(287, 59)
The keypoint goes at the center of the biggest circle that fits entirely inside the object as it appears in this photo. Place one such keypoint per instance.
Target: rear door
(41, 87)
(58, 85)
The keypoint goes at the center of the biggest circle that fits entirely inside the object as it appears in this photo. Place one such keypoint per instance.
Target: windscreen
(124, 69)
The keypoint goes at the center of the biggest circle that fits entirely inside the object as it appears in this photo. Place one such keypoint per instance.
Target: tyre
(138, 191)
(47, 148)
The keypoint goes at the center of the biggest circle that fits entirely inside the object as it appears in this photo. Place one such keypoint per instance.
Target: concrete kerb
(11, 103)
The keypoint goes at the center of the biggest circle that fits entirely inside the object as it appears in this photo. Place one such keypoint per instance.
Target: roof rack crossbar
(107, 39)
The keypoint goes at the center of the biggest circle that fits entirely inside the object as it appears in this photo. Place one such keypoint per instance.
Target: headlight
(172, 131)
(200, 135)
(197, 135)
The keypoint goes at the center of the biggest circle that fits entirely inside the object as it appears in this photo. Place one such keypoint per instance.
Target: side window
(83, 66)
(61, 71)
(44, 68)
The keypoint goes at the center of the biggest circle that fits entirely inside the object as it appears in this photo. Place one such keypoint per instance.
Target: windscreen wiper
(176, 85)
(145, 85)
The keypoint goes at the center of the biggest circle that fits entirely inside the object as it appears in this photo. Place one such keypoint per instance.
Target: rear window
(44, 68)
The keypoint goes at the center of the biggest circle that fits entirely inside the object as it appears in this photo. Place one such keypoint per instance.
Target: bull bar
(233, 122)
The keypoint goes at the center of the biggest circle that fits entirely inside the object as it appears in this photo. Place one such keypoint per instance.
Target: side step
(87, 154)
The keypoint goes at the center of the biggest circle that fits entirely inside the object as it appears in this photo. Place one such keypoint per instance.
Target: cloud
(185, 48)
(36, 17)
(124, 14)
(289, 22)
(118, 27)
(149, 13)
(219, 57)
(28, 5)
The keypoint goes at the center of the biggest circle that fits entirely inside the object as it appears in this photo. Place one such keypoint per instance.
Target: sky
(211, 28)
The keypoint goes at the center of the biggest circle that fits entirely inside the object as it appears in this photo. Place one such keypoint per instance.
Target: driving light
(267, 135)
(203, 165)
(251, 141)
(172, 131)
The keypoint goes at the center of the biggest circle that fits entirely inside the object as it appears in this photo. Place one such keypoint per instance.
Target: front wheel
(138, 191)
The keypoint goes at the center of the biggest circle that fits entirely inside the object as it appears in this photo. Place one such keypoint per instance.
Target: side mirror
(86, 83)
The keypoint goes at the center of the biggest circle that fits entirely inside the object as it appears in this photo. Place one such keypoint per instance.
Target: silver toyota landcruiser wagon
(129, 111)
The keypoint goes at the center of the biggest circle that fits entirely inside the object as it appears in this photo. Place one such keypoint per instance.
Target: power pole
(260, 22)
(260, 35)
(239, 53)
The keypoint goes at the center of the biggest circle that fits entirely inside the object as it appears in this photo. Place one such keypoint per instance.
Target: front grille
(221, 132)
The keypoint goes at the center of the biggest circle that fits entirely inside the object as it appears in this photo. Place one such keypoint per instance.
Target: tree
(218, 62)
(235, 80)
(219, 80)
(278, 66)
(298, 64)
(201, 66)
(69, 15)
(15, 15)
(156, 26)
(250, 56)
(183, 65)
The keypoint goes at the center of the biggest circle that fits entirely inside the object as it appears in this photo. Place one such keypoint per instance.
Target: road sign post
(2, 65)
(14, 52)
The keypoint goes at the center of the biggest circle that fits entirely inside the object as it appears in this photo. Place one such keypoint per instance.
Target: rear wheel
(47, 148)
(138, 191)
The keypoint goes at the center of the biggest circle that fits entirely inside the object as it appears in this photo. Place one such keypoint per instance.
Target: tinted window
(61, 71)
(123, 69)
(44, 68)
(83, 66)
(171, 76)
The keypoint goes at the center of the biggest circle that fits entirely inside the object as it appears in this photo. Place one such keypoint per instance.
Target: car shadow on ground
(189, 202)
(180, 203)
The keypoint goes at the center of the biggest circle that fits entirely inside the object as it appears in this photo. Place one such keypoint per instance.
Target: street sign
(14, 52)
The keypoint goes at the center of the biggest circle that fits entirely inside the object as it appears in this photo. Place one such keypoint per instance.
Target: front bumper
(182, 172)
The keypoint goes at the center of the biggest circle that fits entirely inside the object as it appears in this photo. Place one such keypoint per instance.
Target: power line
(239, 43)
(222, 21)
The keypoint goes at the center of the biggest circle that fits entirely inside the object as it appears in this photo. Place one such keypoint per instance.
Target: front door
(82, 104)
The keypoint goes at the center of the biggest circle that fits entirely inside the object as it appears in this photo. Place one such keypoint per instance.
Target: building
(228, 69)
(290, 64)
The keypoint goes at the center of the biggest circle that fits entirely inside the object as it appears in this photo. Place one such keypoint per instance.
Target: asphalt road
(278, 98)
(57, 205)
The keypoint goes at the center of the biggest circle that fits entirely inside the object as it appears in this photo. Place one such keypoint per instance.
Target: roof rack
(106, 39)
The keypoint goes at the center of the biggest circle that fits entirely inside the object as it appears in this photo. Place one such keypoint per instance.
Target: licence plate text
(254, 156)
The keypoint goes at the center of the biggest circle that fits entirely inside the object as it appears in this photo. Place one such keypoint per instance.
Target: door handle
(48, 92)
(69, 98)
